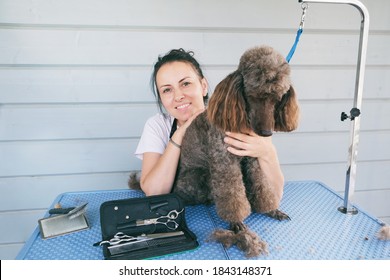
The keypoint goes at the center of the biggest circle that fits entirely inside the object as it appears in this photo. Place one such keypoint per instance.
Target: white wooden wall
(74, 92)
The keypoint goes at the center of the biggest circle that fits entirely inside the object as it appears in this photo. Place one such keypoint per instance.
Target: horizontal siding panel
(33, 187)
(86, 156)
(374, 202)
(254, 14)
(41, 122)
(307, 148)
(90, 47)
(148, 13)
(74, 121)
(10, 251)
(332, 83)
(17, 226)
(370, 175)
(385, 219)
(67, 157)
(325, 116)
(59, 85)
(107, 85)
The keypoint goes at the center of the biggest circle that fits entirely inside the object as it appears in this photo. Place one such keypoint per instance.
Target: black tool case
(132, 217)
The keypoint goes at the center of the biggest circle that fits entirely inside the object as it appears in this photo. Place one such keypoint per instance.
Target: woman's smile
(183, 106)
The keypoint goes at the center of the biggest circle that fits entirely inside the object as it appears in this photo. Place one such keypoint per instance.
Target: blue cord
(291, 53)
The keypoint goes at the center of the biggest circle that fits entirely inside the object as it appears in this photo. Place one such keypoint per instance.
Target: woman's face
(181, 90)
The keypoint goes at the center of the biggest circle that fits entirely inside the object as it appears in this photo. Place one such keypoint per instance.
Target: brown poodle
(257, 96)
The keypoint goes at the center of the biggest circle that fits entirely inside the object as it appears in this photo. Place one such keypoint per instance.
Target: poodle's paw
(226, 237)
(245, 239)
(250, 243)
(278, 215)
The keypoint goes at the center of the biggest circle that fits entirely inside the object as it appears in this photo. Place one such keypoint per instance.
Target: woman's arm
(159, 170)
(263, 149)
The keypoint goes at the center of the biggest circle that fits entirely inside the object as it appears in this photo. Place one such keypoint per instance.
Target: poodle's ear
(226, 108)
(287, 112)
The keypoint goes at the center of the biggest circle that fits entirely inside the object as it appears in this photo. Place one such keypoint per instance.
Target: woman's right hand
(159, 171)
(179, 133)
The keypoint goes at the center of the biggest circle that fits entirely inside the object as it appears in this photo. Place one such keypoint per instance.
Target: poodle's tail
(134, 181)
(245, 239)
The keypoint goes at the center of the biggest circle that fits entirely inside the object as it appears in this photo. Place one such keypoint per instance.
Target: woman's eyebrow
(184, 79)
(167, 85)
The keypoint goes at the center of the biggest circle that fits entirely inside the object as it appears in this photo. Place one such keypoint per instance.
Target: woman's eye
(186, 84)
(166, 90)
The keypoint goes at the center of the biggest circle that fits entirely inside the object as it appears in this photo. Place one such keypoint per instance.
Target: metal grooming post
(347, 208)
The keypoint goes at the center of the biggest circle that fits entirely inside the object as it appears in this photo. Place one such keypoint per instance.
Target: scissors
(118, 238)
(169, 220)
(121, 238)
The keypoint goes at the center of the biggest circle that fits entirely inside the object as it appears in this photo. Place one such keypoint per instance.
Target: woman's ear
(205, 86)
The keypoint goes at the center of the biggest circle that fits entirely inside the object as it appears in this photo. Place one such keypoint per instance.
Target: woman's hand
(262, 148)
(251, 144)
(159, 171)
(179, 133)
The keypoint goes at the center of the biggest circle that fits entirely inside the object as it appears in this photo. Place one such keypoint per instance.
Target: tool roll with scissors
(139, 228)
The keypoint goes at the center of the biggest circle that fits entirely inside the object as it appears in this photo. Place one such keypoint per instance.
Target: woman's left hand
(251, 144)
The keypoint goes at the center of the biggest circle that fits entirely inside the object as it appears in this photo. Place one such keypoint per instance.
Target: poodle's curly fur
(257, 96)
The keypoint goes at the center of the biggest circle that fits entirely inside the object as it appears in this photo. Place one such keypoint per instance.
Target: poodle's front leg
(228, 190)
(263, 197)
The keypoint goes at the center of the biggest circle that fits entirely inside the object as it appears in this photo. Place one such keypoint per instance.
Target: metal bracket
(355, 124)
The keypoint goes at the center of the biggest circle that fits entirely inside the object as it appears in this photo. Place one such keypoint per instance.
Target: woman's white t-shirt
(155, 135)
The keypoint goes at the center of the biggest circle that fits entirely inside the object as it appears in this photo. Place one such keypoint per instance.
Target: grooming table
(317, 230)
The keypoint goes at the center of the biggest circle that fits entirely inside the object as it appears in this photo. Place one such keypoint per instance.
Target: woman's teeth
(183, 106)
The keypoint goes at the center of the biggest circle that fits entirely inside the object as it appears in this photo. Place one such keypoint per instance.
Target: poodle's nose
(264, 133)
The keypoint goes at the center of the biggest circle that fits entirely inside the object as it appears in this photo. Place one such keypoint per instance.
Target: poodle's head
(257, 96)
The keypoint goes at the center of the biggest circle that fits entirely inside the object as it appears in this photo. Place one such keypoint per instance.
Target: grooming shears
(121, 238)
(169, 220)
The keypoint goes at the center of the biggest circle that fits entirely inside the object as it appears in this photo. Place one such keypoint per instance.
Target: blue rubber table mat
(317, 230)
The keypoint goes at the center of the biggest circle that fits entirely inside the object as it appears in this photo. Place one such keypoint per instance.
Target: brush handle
(60, 210)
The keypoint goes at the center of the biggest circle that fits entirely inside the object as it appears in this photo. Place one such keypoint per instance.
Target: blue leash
(292, 51)
(299, 32)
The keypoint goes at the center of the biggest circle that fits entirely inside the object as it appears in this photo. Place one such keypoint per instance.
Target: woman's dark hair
(173, 56)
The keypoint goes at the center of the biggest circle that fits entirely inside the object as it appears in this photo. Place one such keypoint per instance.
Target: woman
(182, 90)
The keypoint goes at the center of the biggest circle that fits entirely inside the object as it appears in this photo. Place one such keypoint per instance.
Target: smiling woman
(182, 90)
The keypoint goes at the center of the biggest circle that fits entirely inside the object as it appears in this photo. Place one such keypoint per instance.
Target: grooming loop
(347, 208)
(304, 7)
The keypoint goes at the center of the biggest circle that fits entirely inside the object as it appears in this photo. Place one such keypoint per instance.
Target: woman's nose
(178, 96)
